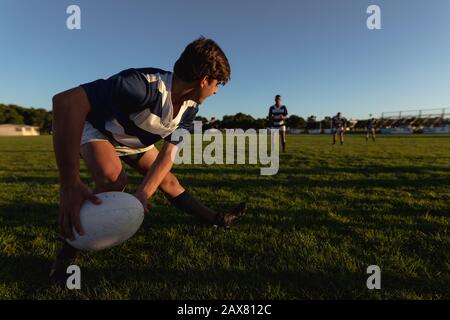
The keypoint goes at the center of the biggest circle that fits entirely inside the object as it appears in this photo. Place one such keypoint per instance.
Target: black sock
(68, 252)
(187, 203)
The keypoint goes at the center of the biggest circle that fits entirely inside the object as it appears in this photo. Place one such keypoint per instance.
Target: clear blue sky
(319, 55)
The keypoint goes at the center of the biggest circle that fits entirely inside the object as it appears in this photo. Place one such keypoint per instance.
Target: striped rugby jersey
(276, 112)
(134, 107)
(338, 122)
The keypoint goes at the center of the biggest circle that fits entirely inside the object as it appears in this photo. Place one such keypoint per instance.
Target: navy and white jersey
(276, 113)
(338, 122)
(134, 107)
(370, 124)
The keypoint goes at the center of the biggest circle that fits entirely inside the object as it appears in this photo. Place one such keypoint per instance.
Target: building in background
(18, 130)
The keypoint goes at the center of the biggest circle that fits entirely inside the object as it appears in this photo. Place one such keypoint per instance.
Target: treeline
(245, 121)
(33, 117)
(43, 119)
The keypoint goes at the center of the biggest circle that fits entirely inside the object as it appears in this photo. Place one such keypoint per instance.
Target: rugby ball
(110, 223)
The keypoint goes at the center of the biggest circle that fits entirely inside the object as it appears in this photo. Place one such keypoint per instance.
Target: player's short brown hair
(203, 57)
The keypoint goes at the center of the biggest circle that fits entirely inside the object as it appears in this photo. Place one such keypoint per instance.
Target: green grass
(310, 233)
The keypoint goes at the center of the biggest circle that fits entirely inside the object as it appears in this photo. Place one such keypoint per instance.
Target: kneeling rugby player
(121, 118)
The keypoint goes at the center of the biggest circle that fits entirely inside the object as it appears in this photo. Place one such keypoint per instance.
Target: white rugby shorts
(91, 134)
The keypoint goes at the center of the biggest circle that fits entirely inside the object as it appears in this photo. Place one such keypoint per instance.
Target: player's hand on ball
(143, 199)
(71, 199)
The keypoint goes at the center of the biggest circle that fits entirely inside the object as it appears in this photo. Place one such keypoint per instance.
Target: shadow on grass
(40, 215)
(343, 223)
(249, 177)
(147, 282)
(28, 213)
(255, 182)
(303, 181)
(367, 169)
(30, 274)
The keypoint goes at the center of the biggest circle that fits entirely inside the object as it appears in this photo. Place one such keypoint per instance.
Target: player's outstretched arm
(156, 173)
(70, 109)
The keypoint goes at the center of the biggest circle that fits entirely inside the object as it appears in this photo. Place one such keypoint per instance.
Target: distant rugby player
(370, 129)
(338, 125)
(277, 116)
(121, 118)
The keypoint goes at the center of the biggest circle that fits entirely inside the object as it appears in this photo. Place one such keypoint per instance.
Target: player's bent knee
(112, 182)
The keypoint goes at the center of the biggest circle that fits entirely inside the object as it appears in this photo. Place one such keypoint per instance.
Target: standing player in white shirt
(277, 116)
(338, 125)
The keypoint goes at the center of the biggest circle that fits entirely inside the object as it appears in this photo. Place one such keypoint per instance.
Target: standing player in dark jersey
(370, 129)
(338, 125)
(121, 118)
(277, 116)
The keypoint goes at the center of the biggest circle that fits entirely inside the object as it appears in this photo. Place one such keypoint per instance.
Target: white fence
(399, 130)
(443, 129)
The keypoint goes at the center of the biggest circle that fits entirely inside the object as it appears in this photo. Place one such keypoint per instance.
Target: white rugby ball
(110, 223)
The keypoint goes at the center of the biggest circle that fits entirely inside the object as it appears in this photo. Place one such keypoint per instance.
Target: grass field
(310, 232)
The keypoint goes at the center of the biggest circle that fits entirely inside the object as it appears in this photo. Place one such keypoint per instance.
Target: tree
(311, 119)
(48, 120)
(326, 122)
(202, 119)
(311, 123)
(261, 123)
(12, 116)
(296, 122)
(239, 120)
(19, 115)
